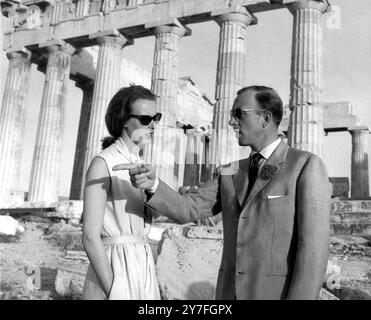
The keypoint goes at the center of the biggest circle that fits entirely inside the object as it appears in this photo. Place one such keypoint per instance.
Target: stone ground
(27, 250)
(55, 250)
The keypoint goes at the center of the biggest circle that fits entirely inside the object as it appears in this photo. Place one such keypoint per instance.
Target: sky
(346, 76)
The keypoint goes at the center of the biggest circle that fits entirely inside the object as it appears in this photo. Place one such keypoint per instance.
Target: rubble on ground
(188, 262)
(47, 262)
(10, 226)
(71, 273)
(66, 236)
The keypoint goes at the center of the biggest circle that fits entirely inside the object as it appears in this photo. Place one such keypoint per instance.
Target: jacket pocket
(276, 199)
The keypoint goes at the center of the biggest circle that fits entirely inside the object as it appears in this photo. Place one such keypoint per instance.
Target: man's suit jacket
(276, 241)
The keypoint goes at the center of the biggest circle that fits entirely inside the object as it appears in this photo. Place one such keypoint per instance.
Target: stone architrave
(107, 81)
(306, 119)
(78, 175)
(48, 146)
(164, 86)
(230, 77)
(12, 119)
(359, 166)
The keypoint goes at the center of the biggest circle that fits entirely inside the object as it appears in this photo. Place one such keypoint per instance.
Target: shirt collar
(126, 146)
(268, 150)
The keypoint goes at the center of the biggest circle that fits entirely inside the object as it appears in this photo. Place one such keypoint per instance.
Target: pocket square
(274, 197)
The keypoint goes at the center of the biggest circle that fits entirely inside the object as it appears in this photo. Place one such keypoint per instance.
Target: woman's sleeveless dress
(124, 234)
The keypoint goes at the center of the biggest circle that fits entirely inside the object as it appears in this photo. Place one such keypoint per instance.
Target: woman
(115, 222)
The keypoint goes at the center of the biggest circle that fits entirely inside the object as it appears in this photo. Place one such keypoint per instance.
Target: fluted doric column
(206, 167)
(306, 119)
(180, 156)
(78, 174)
(190, 171)
(12, 119)
(164, 86)
(359, 173)
(107, 82)
(230, 77)
(193, 157)
(44, 181)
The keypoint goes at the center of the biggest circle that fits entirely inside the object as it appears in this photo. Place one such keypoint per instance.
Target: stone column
(205, 166)
(193, 157)
(230, 77)
(107, 82)
(190, 171)
(44, 181)
(180, 156)
(199, 152)
(78, 175)
(306, 119)
(12, 119)
(164, 86)
(360, 174)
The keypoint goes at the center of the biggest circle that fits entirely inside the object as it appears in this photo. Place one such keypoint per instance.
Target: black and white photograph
(204, 151)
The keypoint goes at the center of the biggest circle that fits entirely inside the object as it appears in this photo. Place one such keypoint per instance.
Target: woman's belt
(125, 239)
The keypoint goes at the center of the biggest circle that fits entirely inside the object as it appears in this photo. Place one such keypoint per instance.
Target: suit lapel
(241, 180)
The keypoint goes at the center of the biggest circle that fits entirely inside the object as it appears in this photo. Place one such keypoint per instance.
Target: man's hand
(142, 176)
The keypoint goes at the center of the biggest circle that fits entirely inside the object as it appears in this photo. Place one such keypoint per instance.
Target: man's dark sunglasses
(146, 120)
(237, 113)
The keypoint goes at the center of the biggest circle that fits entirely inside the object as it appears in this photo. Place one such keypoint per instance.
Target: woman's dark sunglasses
(145, 120)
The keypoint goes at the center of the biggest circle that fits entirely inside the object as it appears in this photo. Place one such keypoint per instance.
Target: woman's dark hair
(267, 99)
(119, 108)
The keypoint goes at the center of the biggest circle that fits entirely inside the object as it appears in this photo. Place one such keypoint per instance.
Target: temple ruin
(54, 34)
(85, 40)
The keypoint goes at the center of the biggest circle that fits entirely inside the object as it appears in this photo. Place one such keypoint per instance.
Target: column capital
(359, 129)
(58, 45)
(17, 53)
(321, 5)
(171, 25)
(111, 37)
(238, 14)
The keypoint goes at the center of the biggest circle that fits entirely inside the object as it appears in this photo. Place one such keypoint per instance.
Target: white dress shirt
(267, 152)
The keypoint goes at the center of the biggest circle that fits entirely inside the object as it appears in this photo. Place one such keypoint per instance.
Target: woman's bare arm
(95, 196)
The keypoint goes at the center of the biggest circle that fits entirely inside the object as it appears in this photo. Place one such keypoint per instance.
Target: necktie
(253, 170)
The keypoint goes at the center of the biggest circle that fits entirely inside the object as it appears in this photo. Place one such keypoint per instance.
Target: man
(275, 207)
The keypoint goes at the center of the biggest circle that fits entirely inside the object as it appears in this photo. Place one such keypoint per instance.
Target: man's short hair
(267, 99)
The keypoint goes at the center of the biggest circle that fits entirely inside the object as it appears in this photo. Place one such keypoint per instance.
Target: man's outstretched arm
(201, 203)
(197, 204)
